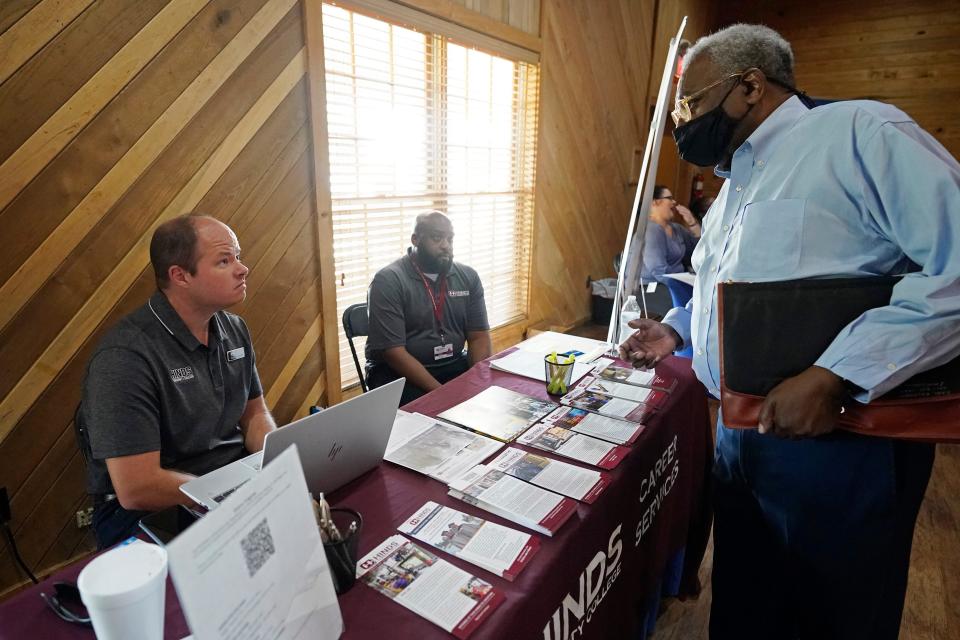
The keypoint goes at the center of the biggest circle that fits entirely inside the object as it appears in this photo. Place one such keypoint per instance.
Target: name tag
(459, 294)
(443, 351)
(236, 354)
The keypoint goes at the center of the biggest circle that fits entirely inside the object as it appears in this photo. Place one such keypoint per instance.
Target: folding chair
(356, 323)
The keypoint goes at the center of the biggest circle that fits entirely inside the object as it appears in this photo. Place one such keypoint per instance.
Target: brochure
(585, 349)
(530, 364)
(445, 595)
(573, 445)
(513, 499)
(560, 477)
(582, 398)
(650, 397)
(436, 449)
(488, 545)
(638, 377)
(499, 413)
(592, 424)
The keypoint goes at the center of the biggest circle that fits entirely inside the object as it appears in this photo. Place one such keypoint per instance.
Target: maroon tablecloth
(589, 581)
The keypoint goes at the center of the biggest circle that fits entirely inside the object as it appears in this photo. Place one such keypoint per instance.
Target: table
(588, 581)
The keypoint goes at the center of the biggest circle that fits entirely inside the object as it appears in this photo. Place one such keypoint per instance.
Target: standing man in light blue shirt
(813, 526)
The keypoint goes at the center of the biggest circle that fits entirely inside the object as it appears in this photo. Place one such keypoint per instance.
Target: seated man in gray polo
(172, 390)
(423, 309)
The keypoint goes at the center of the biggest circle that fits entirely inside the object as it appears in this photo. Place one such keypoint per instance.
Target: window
(416, 122)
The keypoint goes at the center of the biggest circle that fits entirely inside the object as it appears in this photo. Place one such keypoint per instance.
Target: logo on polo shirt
(182, 374)
(458, 294)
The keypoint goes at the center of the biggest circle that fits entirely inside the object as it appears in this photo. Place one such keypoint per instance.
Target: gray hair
(742, 46)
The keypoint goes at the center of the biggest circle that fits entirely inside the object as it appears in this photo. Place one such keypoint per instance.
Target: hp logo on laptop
(334, 450)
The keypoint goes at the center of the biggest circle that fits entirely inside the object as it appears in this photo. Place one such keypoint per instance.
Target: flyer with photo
(513, 499)
(488, 545)
(499, 413)
(445, 595)
(592, 424)
(639, 377)
(576, 446)
(650, 397)
(564, 478)
(436, 449)
(582, 398)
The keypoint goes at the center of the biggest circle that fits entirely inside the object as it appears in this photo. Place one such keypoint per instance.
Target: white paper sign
(255, 569)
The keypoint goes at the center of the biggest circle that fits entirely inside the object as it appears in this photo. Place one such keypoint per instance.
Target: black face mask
(704, 140)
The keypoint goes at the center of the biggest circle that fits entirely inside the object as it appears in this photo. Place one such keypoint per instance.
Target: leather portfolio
(771, 331)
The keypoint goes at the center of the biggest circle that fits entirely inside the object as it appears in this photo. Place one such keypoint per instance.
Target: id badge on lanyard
(445, 349)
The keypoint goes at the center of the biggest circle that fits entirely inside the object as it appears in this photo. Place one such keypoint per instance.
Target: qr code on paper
(257, 547)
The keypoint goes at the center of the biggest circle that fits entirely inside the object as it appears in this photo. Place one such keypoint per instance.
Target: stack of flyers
(637, 377)
(488, 545)
(446, 595)
(564, 478)
(650, 397)
(582, 398)
(573, 445)
(499, 413)
(591, 424)
(513, 499)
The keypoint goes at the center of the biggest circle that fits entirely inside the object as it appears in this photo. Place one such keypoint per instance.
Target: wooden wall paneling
(12, 10)
(83, 47)
(905, 53)
(27, 36)
(313, 30)
(270, 151)
(46, 142)
(228, 144)
(594, 73)
(203, 172)
(296, 393)
(91, 174)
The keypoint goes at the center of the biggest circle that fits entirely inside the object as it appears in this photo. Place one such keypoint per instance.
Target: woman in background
(667, 247)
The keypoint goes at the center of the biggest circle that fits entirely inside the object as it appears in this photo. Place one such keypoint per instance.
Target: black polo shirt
(401, 312)
(151, 385)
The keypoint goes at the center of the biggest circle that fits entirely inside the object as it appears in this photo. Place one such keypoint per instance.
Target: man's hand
(649, 344)
(804, 406)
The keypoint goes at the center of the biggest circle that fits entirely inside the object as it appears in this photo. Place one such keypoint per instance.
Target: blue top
(847, 189)
(664, 254)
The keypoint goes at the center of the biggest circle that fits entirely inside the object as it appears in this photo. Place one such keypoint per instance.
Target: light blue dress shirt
(847, 189)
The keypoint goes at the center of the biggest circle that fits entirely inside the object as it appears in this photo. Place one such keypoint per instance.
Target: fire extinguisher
(696, 188)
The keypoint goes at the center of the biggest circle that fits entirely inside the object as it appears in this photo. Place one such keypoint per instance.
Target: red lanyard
(437, 306)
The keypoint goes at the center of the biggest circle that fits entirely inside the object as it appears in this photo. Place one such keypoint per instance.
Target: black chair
(356, 323)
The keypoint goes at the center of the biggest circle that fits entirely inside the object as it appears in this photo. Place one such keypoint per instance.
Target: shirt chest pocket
(771, 236)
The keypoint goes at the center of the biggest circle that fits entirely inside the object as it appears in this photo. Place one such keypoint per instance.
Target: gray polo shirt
(151, 385)
(401, 312)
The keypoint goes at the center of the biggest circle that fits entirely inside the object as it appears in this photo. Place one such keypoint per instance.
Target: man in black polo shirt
(172, 390)
(423, 309)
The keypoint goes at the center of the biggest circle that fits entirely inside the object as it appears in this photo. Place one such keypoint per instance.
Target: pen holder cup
(342, 554)
(558, 375)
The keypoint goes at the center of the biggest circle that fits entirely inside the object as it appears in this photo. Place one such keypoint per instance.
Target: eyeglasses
(64, 592)
(682, 112)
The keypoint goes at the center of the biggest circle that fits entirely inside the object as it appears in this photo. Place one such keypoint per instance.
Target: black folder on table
(770, 331)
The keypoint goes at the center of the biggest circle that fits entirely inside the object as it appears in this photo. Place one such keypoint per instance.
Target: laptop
(335, 445)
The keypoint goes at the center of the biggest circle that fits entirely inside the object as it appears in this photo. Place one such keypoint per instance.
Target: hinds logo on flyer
(596, 580)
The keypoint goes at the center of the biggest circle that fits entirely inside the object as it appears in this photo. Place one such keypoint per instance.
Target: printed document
(255, 569)
(436, 449)
(531, 365)
(446, 595)
(560, 477)
(592, 424)
(500, 413)
(573, 445)
(488, 545)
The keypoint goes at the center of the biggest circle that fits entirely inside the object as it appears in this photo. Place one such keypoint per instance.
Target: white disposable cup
(124, 590)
